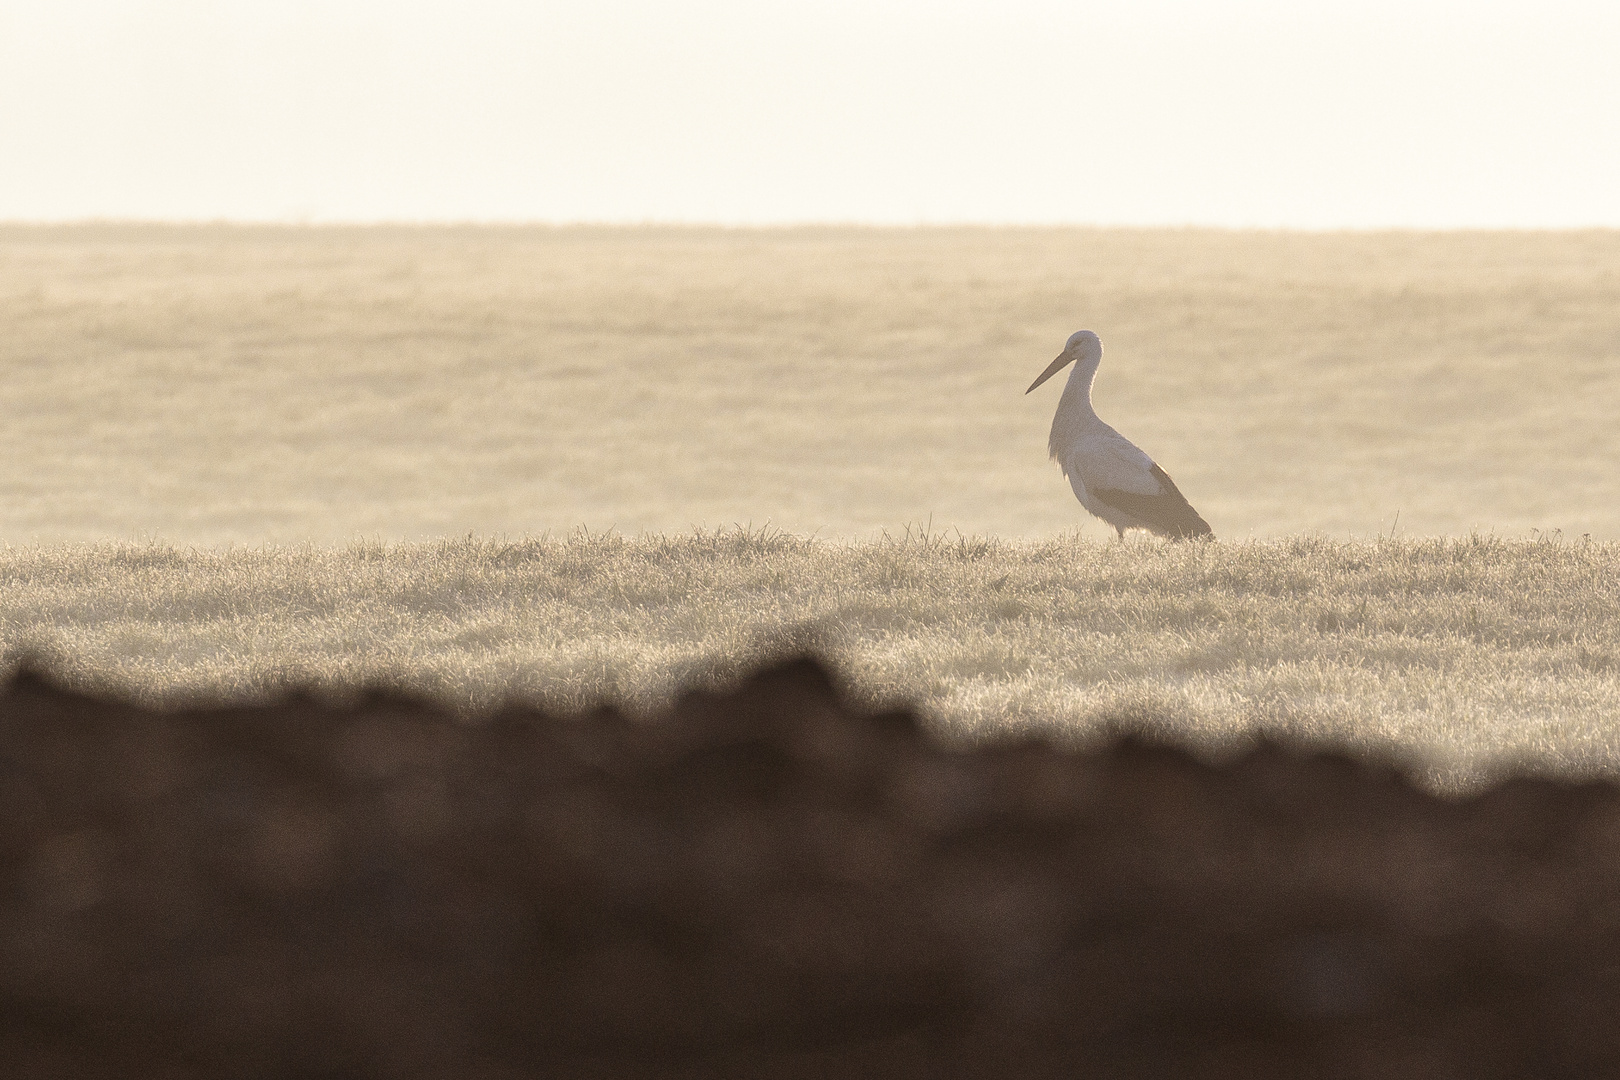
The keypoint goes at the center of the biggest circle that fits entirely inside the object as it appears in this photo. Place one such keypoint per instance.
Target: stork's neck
(1076, 398)
(1074, 412)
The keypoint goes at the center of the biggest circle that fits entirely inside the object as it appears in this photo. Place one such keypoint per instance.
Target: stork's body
(1111, 476)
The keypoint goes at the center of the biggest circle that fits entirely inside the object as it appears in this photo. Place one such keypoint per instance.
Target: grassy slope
(1459, 655)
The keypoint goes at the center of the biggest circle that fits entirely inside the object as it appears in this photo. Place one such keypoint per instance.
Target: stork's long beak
(1056, 366)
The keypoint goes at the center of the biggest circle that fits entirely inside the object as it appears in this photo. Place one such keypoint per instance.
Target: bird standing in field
(1111, 476)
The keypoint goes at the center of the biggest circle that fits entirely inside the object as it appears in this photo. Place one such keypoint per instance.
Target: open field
(1460, 656)
(217, 384)
(333, 391)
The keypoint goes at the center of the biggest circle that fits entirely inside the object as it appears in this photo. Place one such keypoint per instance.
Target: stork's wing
(1168, 513)
(1108, 460)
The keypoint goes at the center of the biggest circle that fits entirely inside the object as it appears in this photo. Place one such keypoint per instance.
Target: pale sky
(1372, 113)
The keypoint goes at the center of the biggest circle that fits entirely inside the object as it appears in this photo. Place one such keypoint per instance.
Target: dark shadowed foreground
(766, 884)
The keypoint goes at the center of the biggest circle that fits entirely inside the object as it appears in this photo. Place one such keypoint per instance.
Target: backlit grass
(1461, 656)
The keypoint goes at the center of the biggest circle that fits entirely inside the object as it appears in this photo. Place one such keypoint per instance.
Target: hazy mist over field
(244, 385)
(204, 383)
(495, 349)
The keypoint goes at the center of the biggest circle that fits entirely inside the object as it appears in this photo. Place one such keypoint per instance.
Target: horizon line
(290, 222)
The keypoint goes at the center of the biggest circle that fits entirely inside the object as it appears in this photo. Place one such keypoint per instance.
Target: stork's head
(1083, 347)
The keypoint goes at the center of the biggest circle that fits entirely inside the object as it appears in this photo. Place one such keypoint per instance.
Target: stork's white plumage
(1111, 476)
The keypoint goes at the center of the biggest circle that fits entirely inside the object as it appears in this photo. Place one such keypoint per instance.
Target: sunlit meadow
(1459, 657)
(207, 385)
(569, 465)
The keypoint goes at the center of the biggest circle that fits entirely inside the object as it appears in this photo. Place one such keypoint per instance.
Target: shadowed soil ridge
(768, 883)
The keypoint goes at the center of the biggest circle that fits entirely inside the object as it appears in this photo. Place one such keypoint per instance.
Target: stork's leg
(1121, 529)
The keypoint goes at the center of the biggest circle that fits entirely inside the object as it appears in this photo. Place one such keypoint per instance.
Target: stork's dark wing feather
(1168, 513)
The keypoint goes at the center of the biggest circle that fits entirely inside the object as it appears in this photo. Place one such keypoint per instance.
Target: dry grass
(331, 387)
(209, 385)
(1461, 656)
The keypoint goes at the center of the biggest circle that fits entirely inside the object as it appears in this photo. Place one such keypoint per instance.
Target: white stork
(1111, 476)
